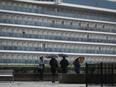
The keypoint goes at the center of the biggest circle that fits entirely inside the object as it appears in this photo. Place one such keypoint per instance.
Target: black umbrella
(41, 57)
(62, 55)
(52, 56)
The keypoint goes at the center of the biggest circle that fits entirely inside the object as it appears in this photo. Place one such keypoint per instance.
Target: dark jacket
(54, 64)
(64, 63)
(77, 66)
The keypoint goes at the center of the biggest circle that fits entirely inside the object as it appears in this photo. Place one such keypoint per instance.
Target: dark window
(71, 23)
(43, 45)
(99, 48)
(62, 22)
(103, 26)
(95, 25)
(53, 22)
(107, 38)
(57, 10)
(80, 24)
(23, 32)
(87, 36)
(88, 25)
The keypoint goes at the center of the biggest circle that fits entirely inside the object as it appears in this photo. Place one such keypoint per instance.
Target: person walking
(77, 64)
(41, 67)
(64, 64)
(54, 65)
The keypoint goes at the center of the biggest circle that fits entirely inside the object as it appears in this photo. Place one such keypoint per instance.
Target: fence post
(105, 74)
(86, 74)
(101, 66)
(112, 75)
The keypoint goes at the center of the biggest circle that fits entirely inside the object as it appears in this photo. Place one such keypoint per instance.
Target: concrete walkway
(37, 84)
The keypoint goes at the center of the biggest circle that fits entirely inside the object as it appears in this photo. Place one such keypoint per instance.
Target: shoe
(53, 81)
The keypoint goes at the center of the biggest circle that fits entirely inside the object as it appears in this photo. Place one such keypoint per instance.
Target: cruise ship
(33, 28)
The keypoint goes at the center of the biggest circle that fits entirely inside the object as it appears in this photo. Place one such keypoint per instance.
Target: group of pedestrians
(54, 66)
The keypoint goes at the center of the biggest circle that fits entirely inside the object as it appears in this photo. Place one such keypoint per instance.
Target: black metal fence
(101, 74)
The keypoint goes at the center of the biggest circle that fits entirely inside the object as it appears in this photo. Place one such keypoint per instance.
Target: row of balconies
(64, 38)
(59, 12)
(66, 50)
(47, 24)
(55, 20)
(55, 44)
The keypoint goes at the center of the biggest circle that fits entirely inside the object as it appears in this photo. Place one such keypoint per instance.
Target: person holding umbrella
(77, 63)
(54, 65)
(64, 64)
(41, 67)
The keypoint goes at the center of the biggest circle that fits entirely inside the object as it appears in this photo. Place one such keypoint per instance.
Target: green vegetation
(29, 68)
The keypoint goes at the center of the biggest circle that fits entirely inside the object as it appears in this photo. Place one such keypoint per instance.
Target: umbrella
(62, 55)
(52, 56)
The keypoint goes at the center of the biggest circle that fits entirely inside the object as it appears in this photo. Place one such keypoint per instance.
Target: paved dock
(37, 84)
